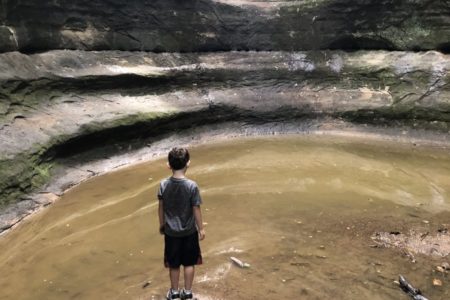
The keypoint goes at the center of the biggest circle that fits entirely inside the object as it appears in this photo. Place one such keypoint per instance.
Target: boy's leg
(174, 274)
(172, 259)
(188, 277)
(191, 257)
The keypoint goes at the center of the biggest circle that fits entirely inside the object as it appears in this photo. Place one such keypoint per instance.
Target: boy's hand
(201, 235)
(161, 229)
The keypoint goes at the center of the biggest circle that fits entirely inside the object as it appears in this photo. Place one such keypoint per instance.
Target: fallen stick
(239, 262)
(416, 294)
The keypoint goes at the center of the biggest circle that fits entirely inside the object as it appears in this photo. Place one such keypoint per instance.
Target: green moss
(15, 176)
(42, 174)
(411, 31)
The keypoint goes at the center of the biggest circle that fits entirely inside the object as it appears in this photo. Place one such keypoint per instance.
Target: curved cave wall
(222, 25)
(166, 66)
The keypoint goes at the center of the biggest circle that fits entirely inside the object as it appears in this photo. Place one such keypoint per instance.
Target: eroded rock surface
(222, 25)
(60, 103)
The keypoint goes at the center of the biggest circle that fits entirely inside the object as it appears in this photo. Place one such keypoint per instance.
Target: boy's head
(178, 158)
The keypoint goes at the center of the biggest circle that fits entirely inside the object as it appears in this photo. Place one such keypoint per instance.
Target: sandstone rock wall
(222, 25)
(60, 103)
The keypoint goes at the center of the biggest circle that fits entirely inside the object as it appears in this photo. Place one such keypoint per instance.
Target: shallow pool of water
(300, 210)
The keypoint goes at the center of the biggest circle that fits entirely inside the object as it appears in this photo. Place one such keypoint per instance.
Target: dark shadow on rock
(444, 48)
(118, 139)
(350, 43)
(206, 25)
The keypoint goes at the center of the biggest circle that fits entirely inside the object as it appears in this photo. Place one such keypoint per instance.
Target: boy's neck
(179, 174)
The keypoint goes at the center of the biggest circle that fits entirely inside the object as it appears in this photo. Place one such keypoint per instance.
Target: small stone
(437, 282)
(426, 222)
(440, 269)
(446, 265)
(322, 247)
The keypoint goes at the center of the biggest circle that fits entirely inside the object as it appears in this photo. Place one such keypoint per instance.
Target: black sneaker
(173, 295)
(186, 295)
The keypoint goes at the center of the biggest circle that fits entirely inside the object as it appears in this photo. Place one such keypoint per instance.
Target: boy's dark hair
(178, 158)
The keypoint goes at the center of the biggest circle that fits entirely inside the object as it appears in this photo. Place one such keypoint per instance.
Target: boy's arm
(199, 221)
(161, 217)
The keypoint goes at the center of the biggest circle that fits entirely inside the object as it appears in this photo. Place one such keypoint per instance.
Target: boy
(180, 220)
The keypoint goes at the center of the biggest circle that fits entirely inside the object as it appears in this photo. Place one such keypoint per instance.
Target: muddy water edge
(301, 211)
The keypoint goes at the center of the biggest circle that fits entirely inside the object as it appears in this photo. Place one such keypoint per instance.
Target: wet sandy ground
(300, 211)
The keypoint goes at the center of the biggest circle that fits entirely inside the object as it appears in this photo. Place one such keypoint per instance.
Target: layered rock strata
(223, 25)
(57, 105)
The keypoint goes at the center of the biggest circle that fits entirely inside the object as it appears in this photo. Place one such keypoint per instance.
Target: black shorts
(182, 251)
